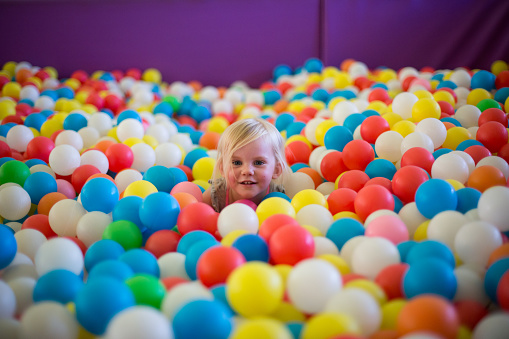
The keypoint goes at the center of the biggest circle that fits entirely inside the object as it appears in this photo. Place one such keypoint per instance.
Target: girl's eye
(259, 162)
(236, 163)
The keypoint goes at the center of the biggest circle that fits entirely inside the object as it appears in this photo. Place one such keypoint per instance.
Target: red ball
(188, 171)
(5, 150)
(372, 198)
(502, 79)
(273, 222)
(470, 312)
(13, 119)
(372, 127)
(503, 291)
(406, 181)
(504, 152)
(353, 179)
(120, 156)
(418, 156)
(113, 103)
(197, 216)
(297, 151)
(78, 242)
(332, 166)
(23, 109)
(81, 174)
(357, 154)
(133, 73)
(390, 279)
(341, 199)
(492, 114)
(162, 242)
(493, 135)
(215, 264)
(407, 82)
(39, 222)
(42, 74)
(379, 94)
(446, 107)
(290, 244)
(39, 148)
(380, 181)
(170, 282)
(96, 100)
(80, 75)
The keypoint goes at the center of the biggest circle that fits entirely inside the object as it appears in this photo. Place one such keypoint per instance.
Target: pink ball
(188, 187)
(66, 188)
(247, 202)
(389, 227)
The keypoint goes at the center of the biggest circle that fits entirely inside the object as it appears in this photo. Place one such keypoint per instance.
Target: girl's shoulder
(217, 193)
(274, 187)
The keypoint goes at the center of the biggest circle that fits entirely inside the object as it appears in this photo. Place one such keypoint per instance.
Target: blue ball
(398, 204)
(271, 96)
(452, 121)
(104, 249)
(200, 113)
(353, 121)
(35, 161)
(320, 94)
(313, 65)
(128, 114)
(159, 211)
(468, 198)
(128, 208)
(5, 159)
(35, 120)
(280, 70)
(283, 120)
(185, 129)
(447, 84)
(58, 285)
(111, 268)
(467, 143)
(381, 168)
(404, 247)
(178, 174)
(161, 177)
(65, 92)
(430, 249)
(483, 79)
(99, 300)
(204, 319)
(441, 151)
(337, 137)
(193, 155)
(38, 184)
(50, 93)
(295, 128)
(295, 328)
(99, 194)
(253, 247)
(141, 261)
(193, 255)
(380, 85)
(344, 229)
(8, 246)
(438, 76)
(4, 129)
(369, 113)
(191, 238)
(298, 96)
(278, 195)
(186, 107)
(297, 166)
(493, 276)
(75, 122)
(430, 276)
(502, 94)
(219, 293)
(434, 196)
(196, 136)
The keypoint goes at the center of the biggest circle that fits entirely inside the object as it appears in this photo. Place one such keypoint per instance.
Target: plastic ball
(147, 289)
(197, 216)
(254, 289)
(59, 253)
(485, 177)
(430, 249)
(48, 320)
(403, 103)
(237, 217)
(14, 203)
(373, 127)
(389, 227)
(315, 216)
(14, 171)
(102, 250)
(352, 179)
(99, 194)
(372, 198)
(493, 135)
(491, 207)
(332, 165)
(216, 264)
(57, 285)
(159, 211)
(470, 235)
(450, 166)
(9, 246)
(39, 222)
(203, 168)
(253, 247)
(124, 232)
(120, 156)
(425, 108)
(274, 205)
(388, 145)
(330, 325)
(140, 188)
(435, 129)
(434, 196)
(430, 276)
(337, 137)
(341, 199)
(291, 244)
(81, 174)
(357, 154)
(141, 261)
(18, 137)
(269, 328)
(139, 321)
(162, 242)
(428, 314)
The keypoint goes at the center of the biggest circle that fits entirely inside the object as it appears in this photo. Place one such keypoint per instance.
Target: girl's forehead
(260, 145)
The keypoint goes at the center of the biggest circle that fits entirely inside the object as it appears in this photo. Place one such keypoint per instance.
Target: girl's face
(252, 168)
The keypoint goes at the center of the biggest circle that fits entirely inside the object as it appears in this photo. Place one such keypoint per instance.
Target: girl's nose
(247, 169)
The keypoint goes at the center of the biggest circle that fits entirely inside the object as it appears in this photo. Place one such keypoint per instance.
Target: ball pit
(393, 223)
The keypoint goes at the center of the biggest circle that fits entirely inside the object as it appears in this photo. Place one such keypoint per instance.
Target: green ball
(488, 103)
(147, 289)
(125, 232)
(14, 171)
(173, 101)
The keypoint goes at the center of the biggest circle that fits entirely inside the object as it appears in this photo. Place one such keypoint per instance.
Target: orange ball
(384, 334)
(184, 199)
(22, 75)
(196, 85)
(499, 253)
(210, 140)
(317, 179)
(48, 200)
(103, 145)
(101, 175)
(429, 313)
(345, 64)
(484, 177)
(280, 105)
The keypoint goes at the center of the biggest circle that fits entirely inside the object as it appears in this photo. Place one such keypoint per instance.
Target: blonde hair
(243, 132)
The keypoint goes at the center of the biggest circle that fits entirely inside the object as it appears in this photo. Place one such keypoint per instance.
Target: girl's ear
(278, 169)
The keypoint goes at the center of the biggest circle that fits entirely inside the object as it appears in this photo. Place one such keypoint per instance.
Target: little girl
(250, 164)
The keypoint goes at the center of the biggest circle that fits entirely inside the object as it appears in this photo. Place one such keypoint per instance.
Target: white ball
(7, 301)
(444, 226)
(23, 289)
(467, 158)
(468, 115)
(10, 328)
(48, 320)
(64, 159)
(168, 154)
(18, 137)
(159, 132)
(358, 304)
(144, 157)
(126, 177)
(379, 213)
(403, 103)
(326, 188)
(450, 166)
(237, 216)
(59, 253)
(470, 285)
(296, 182)
(101, 121)
(315, 156)
(342, 110)
(475, 241)
(95, 158)
(315, 215)
(311, 283)
(69, 137)
(497, 162)
(139, 322)
(15, 202)
(183, 140)
(310, 130)
(89, 135)
(417, 139)
(172, 264)
(255, 97)
(433, 128)
(372, 255)
(357, 69)
(388, 146)
(406, 72)
(209, 93)
(182, 294)
(492, 207)
(324, 245)
(493, 326)
(42, 168)
(461, 77)
(411, 217)
(44, 102)
(29, 92)
(234, 96)
(29, 240)
(349, 247)
(64, 216)
(91, 226)
(130, 128)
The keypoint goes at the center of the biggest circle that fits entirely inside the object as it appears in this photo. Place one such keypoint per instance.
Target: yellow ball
(464, 332)
(60, 104)
(342, 80)
(89, 108)
(274, 205)
(7, 108)
(421, 233)
(390, 313)
(498, 66)
(299, 137)
(425, 108)
(97, 74)
(140, 188)
(392, 118)
(387, 75)
(444, 96)
(51, 126)
(36, 81)
(150, 140)
(112, 133)
(455, 183)
(10, 67)
(217, 124)
(338, 262)
(308, 197)
(329, 324)
(73, 83)
(455, 136)
(369, 286)
(330, 72)
(266, 328)
(71, 105)
(319, 105)
(346, 214)
(404, 127)
(315, 232)
(476, 95)
(152, 75)
(203, 168)
(333, 102)
(322, 128)
(296, 106)
(11, 89)
(51, 71)
(288, 312)
(379, 106)
(284, 271)
(230, 238)
(202, 183)
(422, 94)
(35, 132)
(132, 141)
(254, 289)
(314, 78)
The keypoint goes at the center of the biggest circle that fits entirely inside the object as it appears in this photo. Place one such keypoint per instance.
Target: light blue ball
(191, 238)
(111, 268)
(434, 196)
(38, 184)
(253, 247)
(337, 137)
(344, 229)
(128, 208)
(430, 276)
(141, 261)
(159, 211)
(99, 194)
(8, 246)
(104, 249)
(57, 285)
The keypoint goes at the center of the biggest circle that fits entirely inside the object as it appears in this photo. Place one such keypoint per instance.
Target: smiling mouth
(248, 183)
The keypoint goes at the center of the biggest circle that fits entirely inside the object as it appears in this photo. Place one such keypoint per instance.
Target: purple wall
(220, 41)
